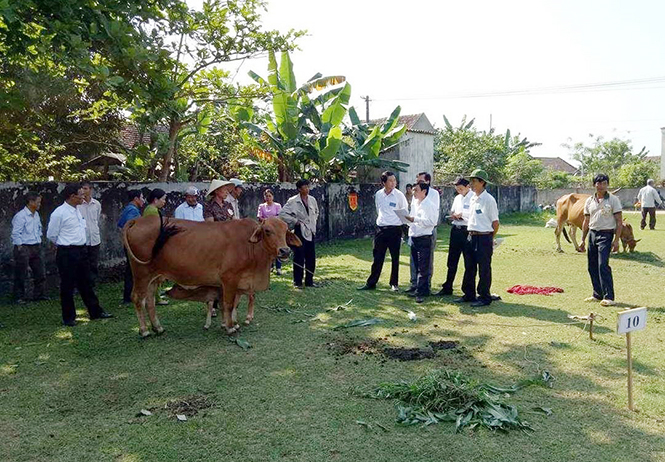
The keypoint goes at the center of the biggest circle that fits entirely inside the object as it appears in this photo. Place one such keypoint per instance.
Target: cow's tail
(166, 230)
(129, 248)
(565, 234)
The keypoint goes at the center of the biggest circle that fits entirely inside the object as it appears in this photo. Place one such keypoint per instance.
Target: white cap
(237, 182)
(191, 191)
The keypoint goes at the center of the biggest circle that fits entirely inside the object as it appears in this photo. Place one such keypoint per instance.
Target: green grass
(70, 394)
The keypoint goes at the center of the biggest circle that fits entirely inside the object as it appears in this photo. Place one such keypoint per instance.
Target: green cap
(482, 174)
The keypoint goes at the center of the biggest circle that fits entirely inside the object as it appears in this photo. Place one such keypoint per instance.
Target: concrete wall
(627, 196)
(337, 220)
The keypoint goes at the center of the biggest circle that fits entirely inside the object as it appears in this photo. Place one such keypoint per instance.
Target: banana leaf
(286, 73)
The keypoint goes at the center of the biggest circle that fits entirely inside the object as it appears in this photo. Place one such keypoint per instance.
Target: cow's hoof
(231, 330)
(158, 330)
(145, 334)
(206, 327)
(559, 250)
(248, 322)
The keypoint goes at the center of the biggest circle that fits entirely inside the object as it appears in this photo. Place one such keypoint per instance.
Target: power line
(576, 88)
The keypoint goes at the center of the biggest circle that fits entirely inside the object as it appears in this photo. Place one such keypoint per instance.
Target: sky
(553, 71)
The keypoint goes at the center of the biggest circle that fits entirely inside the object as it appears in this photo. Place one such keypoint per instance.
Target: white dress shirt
(91, 212)
(26, 228)
(386, 205)
(648, 196)
(188, 212)
(234, 203)
(433, 195)
(483, 212)
(462, 205)
(425, 217)
(66, 226)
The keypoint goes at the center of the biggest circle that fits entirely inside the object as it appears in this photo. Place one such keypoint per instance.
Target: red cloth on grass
(524, 290)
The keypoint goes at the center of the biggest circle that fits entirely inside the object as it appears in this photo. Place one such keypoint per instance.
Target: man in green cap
(483, 226)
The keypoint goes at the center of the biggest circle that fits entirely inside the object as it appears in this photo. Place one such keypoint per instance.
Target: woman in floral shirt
(268, 209)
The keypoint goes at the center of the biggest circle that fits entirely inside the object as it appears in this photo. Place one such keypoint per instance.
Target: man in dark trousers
(66, 229)
(389, 231)
(459, 243)
(433, 195)
(482, 228)
(131, 211)
(27, 239)
(301, 213)
(602, 222)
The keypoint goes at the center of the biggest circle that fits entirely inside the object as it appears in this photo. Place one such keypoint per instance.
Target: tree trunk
(174, 128)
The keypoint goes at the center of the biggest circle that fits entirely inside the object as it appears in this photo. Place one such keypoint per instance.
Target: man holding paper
(387, 200)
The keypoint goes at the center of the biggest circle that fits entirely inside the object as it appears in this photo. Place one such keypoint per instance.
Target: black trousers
(414, 270)
(459, 245)
(129, 282)
(421, 251)
(482, 248)
(74, 269)
(652, 217)
(598, 255)
(387, 238)
(304, 255)
(93, 259)
(30, 256)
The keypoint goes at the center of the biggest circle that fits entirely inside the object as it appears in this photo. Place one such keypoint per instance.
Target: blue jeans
(600, 246)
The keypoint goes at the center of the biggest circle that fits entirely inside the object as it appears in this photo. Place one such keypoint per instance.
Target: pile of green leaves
(445, 396)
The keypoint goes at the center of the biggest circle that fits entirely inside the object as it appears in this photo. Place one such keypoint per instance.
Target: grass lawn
(73, 394)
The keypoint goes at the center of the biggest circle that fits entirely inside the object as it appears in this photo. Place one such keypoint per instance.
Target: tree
(554, 179)
(636, 174)
(522, 169)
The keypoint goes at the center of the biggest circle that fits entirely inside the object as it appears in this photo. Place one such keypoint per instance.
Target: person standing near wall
(649, 199)
(268, 209)
(217, 209)
(389, 231)
(66, 229)
(26, 236)
(433, 195)
(190, 209)
(301, 212)
(131, 211)
(483, 226)
(602, 222)
(459, 243)
(91, 211)
(234, 196)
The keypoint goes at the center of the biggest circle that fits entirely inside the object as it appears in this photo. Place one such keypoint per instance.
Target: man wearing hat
(234, 195)
(458, 243)
(217, 209)
(483, 224)
(190, 209)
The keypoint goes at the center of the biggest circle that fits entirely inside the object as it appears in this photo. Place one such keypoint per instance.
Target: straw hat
(216, 184)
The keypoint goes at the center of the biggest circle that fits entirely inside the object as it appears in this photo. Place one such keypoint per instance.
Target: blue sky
(438, 57)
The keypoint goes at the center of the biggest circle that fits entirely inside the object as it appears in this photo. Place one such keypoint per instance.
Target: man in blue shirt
(27, 238)
(131, 211)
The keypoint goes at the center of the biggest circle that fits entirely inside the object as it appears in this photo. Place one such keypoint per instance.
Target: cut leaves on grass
(359, 323)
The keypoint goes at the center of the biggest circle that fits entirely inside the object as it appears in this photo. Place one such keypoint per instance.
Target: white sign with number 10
(630, 320)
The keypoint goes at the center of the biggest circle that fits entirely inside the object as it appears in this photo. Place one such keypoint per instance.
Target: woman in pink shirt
(268, 209)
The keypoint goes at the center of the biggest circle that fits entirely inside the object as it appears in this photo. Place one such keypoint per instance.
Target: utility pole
(490, 122)
(367, 100)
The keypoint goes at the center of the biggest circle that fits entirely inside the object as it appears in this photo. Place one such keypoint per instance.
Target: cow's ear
(292, 239)
(257, 235)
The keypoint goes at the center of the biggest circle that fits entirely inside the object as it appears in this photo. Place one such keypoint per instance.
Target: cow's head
(276, 237)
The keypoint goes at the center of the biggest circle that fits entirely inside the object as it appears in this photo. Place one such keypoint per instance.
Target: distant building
(416, 148)
(557, 164)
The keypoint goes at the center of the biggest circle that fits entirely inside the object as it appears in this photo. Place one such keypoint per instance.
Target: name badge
(392, 204)
(466, 206)
(478, 211)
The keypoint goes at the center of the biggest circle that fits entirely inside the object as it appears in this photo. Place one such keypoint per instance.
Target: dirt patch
(189, 405)
(353, 347)
(409, 354)
(444, 345)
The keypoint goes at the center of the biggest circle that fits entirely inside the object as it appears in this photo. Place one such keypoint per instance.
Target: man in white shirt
(602, 222)
(191, 209)
(424, 217)
(649, 199)
(91, 211)
(459, 243)
(482, 227)
(67, 230)
(234, 196)
(433, 195)
(389, 231)
(26, 237)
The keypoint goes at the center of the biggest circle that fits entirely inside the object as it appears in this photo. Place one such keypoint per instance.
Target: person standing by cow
(66, 229)
(268, 209)
(156, 201)
(424, 217)
(649, 199)
(234, 195)
(217, 209)
(302, 212)
(602, 222)
(483, 225)
(389, 231)
(433, 195)
(190, 209)
(459, 243)
(131, 211)
(91, 211)
(26, 236)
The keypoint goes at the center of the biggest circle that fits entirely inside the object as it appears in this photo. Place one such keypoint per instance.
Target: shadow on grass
(649, 258)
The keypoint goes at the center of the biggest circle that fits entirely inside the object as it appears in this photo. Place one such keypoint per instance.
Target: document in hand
(401, 213)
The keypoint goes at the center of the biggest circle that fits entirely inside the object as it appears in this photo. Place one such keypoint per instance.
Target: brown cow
(234, 255)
